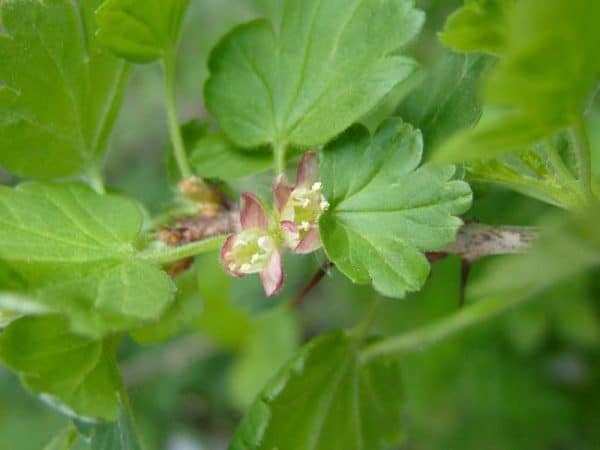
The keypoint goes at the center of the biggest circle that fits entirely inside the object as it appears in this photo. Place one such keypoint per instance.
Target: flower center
(251, 252)
(305, 207)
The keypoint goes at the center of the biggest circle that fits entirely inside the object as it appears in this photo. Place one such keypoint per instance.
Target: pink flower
(254, 249)
(301, 206)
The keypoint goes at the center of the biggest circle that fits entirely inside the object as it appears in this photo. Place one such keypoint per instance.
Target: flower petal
(272, 276)
(311, 241)
(308, 171)
(252, 214)
(291, 234)
(225, 261)
(282, 190)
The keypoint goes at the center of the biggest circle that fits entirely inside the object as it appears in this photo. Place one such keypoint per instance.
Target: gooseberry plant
(322, 97)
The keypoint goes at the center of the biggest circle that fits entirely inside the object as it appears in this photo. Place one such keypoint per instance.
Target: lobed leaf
(75, 251)
(75, 374)
(302, 81)
(59, 91)
(386, 211)
(325, 400)
(141, 31)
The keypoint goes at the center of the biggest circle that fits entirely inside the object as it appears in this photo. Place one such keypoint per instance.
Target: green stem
(174, 130)
(583, 152)
(95, 179)
(280, 158)
(174, 254)
(422, 338)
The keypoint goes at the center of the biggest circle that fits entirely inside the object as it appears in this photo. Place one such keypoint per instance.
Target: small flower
(301, 206)
(254, 250)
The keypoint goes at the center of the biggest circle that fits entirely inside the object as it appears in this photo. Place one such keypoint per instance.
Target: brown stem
(314, 281)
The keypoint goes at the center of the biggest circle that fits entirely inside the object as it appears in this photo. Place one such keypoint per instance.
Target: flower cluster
(258, 247)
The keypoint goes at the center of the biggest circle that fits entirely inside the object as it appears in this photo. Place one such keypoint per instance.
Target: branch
(473, 242)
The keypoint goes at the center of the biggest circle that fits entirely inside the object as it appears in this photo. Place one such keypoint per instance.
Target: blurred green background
(528, 380)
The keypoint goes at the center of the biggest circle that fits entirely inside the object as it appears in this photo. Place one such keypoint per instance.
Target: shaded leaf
(228, 325)
(479, 26)
(74, 374)
(324, 400)
(118, 435)
(448, 99)
(59, 91)
(386, 211)
(548, 69)
(539, 172)
(141, 31)
(275, 338)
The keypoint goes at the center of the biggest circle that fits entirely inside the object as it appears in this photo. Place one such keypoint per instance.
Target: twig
(314, 281)
(475, 241)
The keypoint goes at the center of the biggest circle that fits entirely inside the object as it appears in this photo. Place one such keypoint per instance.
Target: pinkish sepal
(308, 171)
(282, 190)
(252, 213)
(272, 276)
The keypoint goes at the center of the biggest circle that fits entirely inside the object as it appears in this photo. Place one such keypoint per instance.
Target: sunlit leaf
(303, 81)
(385, 211)
(76, 252)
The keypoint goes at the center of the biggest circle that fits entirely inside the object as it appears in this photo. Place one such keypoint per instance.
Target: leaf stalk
(422, 338)
(174, 130)
(173, 254)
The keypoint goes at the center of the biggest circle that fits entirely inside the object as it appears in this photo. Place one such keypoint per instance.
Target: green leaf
(228, 325)
(448, 99)
(75, 250)
(141, 31)
(59, 91)
(568, 246)
(548, 69)
(118, 435)
(64, 440)
(183, 312)
(385, 211)
(273, 342)
(76, 375)
(211, 155)
(539, 172)
(324, 400)
(304, 81)
(479, 26)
